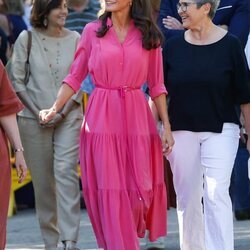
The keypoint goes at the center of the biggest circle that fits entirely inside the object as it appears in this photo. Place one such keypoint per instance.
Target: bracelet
(19, 150)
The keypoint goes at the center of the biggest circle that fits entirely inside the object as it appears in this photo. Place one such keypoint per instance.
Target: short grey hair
(214, 5)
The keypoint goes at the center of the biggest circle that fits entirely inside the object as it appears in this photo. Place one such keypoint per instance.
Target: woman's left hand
(47, 115)
(167, 141)
(54, 122)
(21, 167)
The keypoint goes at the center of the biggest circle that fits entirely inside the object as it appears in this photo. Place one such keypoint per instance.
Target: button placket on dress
(123, 92)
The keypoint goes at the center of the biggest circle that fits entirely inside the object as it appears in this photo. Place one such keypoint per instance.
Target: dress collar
(110, 23)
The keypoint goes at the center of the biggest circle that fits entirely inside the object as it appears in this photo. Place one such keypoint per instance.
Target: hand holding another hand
(54, 122)
(47, 115)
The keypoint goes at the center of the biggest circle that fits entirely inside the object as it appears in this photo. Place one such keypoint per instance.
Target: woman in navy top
(206, 76)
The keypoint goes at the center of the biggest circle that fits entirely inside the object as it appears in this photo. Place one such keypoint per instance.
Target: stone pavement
(23, 233)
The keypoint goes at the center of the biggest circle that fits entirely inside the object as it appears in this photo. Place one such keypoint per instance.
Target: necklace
(53, 51)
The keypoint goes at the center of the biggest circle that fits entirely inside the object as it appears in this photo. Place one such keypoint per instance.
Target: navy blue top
(17, 25)
(205, 82)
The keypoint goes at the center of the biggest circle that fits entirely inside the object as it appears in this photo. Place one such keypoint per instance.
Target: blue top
(17, 25)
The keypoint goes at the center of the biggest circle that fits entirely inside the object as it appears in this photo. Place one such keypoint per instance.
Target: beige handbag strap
(29, 45)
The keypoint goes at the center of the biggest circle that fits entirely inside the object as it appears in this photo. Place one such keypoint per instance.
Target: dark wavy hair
(141, 13)
(40, 10)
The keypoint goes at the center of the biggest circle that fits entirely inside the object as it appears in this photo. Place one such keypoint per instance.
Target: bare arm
(167, 138)
(59, 116)
(245, 109)
(72, 103)
(24, 97)
(64, 94)
(10, 127)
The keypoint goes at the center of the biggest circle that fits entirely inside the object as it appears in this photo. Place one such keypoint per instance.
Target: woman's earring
(45, 22)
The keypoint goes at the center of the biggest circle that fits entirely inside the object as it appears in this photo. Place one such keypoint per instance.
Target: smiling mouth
(110, 2)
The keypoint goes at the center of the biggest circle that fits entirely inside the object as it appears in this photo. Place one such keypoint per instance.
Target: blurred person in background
(27, 12)
(3, 47)
(240, 178)
(81, 12)
(9, 106)
(11, 18)
(51, 150)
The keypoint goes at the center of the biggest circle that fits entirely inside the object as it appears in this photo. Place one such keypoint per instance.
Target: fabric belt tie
(123, 89)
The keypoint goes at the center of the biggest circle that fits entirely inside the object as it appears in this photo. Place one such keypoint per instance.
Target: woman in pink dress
(121, 151)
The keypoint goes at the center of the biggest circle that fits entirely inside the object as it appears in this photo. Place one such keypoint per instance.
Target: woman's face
(191, 15)
(117, 5)
(57, 16)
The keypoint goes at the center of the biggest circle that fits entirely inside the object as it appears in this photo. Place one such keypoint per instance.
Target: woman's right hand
(54, 122)
(47, 115)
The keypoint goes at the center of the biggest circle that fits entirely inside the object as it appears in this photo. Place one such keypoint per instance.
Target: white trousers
(202, 163)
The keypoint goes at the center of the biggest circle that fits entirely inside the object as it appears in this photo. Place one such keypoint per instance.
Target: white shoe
(158, 244)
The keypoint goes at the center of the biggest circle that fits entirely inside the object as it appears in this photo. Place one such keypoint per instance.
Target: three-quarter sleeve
(241, 74)
(79, 68)
(9, 102)
(155, 73)
(18, 60)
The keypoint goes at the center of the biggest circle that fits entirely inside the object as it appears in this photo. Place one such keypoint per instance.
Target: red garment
(9, 104)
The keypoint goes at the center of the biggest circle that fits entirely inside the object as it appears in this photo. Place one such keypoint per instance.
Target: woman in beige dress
(51, 150)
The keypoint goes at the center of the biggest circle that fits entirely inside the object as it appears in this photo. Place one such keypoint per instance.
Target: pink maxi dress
(120, 149)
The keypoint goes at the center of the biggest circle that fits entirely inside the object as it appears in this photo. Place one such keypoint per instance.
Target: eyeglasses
(184, 6)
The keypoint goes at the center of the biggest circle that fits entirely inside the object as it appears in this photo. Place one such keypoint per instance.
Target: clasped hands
(49, 118)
